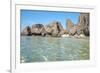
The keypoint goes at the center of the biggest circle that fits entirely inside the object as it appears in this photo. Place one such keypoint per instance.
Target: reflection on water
(41, 49)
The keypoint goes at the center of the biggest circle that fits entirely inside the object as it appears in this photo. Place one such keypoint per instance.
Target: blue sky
(30, 17)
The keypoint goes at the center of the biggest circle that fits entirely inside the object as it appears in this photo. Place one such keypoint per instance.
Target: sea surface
(48, 49)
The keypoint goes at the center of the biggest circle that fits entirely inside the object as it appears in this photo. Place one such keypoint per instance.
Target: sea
(51, 49)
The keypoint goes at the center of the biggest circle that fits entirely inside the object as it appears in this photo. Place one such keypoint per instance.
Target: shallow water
(41, 49)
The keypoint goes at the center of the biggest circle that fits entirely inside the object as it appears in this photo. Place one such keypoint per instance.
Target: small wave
(45, 58)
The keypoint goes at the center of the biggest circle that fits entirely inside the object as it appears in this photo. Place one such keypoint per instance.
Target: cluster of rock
(55, 29)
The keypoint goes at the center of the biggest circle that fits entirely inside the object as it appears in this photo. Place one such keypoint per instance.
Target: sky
(30, 17)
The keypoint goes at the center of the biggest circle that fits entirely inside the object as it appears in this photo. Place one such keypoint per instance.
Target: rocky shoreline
(55, 29)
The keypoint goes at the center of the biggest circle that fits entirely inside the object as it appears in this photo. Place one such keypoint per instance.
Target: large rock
(54, 28)
(26, 31)
(72, 29)
(84, 22)
(69, 24)
(48, 29)
(38, 29)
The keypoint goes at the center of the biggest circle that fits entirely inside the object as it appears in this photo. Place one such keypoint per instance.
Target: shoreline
(86, 37)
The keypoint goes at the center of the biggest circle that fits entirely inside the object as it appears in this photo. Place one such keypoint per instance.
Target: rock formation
(26, 31)
(84, 22)
(55, 29)
(81, 28)
(48, 30)
(73, 30)
(38, 29)
(69, 24)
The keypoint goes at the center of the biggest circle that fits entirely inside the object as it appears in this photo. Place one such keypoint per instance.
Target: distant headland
(55, 29)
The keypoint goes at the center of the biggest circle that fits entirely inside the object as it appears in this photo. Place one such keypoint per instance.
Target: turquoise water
(46, 49)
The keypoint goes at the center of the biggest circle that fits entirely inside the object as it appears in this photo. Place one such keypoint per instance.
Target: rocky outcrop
(55, 29)
(82, 26)
(84, 22)
(72, 30)
(69, 25)
(48, 30)
(38, 29)
(26, 31)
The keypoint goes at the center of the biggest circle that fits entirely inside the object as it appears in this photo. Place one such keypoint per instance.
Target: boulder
(48, 29)
(38, 29)
(26, 31)
(54, 28)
